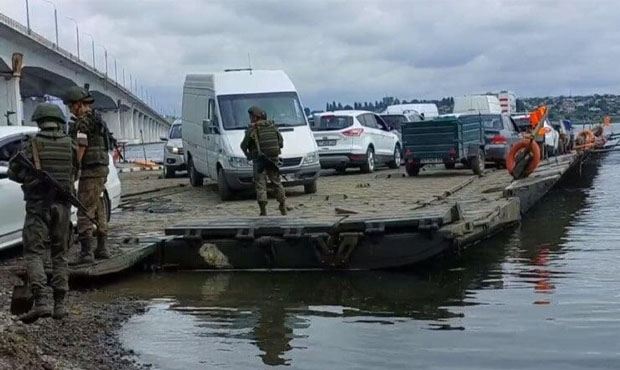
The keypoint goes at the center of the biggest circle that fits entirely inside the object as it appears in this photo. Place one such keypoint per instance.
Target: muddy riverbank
(84, 340)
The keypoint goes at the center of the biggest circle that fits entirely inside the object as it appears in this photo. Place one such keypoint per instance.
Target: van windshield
(175, 132)
(282, 107)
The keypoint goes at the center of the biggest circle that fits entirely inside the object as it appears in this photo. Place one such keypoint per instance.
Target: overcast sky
(351, 50)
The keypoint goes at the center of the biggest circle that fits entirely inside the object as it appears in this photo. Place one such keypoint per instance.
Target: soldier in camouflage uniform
(48, 217)
(93, 172)
(262, 144)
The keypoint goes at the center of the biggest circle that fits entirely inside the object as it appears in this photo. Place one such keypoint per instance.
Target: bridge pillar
(11, 101)
(136, 125)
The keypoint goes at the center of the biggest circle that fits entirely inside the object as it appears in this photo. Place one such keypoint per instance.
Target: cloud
(355, 50)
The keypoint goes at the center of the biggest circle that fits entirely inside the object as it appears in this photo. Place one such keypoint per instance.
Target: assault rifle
(45, 178)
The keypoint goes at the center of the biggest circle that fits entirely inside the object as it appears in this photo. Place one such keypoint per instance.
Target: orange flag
(536, 115)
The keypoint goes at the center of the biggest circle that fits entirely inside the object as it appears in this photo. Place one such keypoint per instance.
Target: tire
(412, 169)
(449, 165)
(222, 186)
(395, 163)
(369, 166)
(477, 163)
(310, 188)
(194, 177)
(168, 173)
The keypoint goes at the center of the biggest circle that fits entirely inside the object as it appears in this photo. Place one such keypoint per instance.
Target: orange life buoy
(515, 150)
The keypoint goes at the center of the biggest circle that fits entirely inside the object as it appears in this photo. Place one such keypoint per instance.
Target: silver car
(173, 151)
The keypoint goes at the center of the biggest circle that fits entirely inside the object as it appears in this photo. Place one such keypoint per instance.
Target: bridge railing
(15, 25)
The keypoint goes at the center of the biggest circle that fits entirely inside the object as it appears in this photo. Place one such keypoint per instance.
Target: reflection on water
(543, 295)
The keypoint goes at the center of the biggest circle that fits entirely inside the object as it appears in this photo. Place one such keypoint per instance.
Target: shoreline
(86, 339)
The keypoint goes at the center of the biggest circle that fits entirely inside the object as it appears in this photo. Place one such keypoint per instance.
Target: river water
(544, 295)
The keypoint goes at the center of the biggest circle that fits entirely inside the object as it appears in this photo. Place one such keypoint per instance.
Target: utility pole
(55, 20)
(92, 45)
(27, 18)
(77, 35)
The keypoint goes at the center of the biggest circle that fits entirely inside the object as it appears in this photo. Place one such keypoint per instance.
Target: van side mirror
(214, 127)
(205, 126)
(4, 172)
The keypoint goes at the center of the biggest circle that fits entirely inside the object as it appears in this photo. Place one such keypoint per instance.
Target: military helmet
(76, 94)
(257, 112)
(48, 112)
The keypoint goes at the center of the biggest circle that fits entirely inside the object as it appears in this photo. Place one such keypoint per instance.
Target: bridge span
(34, 69)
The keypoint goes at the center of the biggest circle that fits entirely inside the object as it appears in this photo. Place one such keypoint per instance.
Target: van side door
(213, 138)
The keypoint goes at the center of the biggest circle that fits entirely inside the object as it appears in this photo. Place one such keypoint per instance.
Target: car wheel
(222, 186)
(395, 163)
(369, 166)
(194, 177)
(168, 173)
(310, 188)
(477, 163)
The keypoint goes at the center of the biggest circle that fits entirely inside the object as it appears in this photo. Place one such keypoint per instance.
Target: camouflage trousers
(89, 193)
(260, 184)
(47, 227)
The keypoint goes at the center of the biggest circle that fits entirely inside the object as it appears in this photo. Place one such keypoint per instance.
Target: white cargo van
(482, 104)
(424, 110)
(215, 117)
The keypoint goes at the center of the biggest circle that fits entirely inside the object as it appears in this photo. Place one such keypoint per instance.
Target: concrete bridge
(34, 69)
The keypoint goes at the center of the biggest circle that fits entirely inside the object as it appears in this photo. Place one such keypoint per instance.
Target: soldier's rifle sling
(46, 178)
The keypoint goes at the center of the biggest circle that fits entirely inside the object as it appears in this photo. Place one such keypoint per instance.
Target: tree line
(444, 105)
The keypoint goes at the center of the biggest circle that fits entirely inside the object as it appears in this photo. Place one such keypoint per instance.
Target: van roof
(241, 82)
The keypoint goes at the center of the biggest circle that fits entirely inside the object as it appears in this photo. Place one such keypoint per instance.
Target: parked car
(424, 110)
(173, 151)
(481, 104)
(215, 117)
(500, 133)
(448, 139)
(11, 196)
(355, 139)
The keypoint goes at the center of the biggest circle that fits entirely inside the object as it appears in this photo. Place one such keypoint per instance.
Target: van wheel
(310, 188)
(395, 163)
(168, 173)
(222, 186)
(194, 177)
(369, 166)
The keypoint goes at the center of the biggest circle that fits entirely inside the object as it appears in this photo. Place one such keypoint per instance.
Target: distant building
(507, 102)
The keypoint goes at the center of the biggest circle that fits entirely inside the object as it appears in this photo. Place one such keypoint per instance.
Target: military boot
(283, 209)
(86, 254)
(40, 309)
(101, 253)
(60, 308)
(263, 208)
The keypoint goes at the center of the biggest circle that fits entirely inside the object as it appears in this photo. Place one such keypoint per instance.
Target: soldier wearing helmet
(93, 172)
(262, 144)
(47, 225)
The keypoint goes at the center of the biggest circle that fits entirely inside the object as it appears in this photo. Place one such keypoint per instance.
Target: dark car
(500, 133)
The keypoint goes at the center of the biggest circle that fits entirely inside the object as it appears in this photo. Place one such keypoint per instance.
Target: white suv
(355, 139)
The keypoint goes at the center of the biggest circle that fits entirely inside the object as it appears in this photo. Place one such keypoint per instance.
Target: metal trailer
(447, 140)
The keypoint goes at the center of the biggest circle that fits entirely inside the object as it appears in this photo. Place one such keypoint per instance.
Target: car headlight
(172, 149)
(312, 158)
(239, 162)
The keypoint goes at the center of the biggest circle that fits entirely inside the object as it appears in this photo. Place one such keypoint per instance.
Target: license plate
(326, 142)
